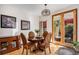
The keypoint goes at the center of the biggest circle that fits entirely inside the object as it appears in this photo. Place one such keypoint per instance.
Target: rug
(65, 51)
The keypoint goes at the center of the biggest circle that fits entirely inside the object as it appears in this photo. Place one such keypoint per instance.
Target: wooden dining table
(37, 41)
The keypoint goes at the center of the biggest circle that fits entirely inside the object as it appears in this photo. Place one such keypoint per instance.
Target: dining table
(37, 41)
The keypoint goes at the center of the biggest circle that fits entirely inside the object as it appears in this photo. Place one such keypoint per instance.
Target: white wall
(20, 14)
(49, 22)
(49, 18)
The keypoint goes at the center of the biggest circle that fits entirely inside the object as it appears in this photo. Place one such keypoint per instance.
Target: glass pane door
(56, 28)
(68, 27)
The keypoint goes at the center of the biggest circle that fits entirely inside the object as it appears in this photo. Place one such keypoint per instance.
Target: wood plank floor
(53, 50)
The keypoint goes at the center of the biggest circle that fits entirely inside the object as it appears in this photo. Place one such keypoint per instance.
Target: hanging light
(45, 12)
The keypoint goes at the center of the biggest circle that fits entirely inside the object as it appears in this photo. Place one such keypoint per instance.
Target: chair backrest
(23, 38)
(48, 39)
(45, 34)
(31, 35)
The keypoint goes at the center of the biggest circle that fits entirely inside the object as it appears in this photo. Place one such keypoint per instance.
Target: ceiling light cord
(45, 5)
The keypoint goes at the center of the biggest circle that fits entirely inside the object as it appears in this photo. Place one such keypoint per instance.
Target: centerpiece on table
(37, 31)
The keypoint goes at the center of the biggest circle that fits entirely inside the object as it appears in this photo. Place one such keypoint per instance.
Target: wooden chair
(31, 35)
(45, 34)
(46, 43)
(25, 44)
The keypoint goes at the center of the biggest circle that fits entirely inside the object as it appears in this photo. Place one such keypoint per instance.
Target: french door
(64, 27)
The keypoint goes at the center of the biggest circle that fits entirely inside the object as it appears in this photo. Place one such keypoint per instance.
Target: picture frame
(8, 21)
(25, 25)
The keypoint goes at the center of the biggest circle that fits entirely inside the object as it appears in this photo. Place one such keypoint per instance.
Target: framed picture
(8, 21)
(25, 25)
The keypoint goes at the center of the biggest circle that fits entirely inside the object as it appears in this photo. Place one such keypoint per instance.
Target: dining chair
(45, 33)
(31, 35)
(46, 43)
(26, 45)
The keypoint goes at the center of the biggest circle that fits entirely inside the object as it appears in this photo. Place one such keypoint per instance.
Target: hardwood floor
(53, 50)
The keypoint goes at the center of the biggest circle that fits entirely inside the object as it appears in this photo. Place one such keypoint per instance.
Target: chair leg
(45, 52)
(49, 50)
(30, 50)
(27, 51)
(23, 51)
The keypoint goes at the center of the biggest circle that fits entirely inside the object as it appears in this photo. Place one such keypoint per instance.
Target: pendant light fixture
(45, 12)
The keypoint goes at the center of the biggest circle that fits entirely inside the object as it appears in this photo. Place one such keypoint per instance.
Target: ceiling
(36, 9)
